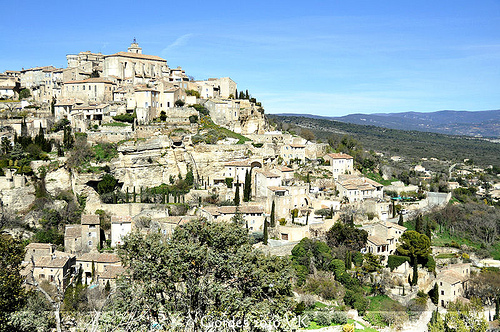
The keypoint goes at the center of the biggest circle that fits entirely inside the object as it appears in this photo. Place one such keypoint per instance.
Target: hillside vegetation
(410, 144)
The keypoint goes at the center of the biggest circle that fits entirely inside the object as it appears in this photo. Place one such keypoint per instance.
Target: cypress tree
(273, 220)
(237, 194)
(428, 231)
(247, 187)
(134, 194)
(419, 225)
(497, 308)
(400, 221)
(434, 294)
(266, 235)
(126, 196)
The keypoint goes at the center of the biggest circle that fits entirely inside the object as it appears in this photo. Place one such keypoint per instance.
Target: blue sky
(328, 58)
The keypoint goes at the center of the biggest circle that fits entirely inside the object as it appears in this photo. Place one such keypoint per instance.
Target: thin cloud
(180, 41)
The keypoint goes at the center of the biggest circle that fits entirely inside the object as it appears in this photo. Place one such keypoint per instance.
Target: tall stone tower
(134, 47)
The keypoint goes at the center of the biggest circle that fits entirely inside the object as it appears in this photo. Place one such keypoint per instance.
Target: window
(90, 243)
(442, 292)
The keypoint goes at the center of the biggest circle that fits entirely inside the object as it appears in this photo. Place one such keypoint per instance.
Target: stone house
(340, 163)
(91, 232)
(452, 282)
(254, 215)
(120, 227)
(95, 263)
(53, 268)
(84, 237)
(73, 238)
(356, 188)
(37, 250)
(286, 173)
(293, 152)
(224, 112)
(264, 181)
(90, 90)
(146, 104)
(222, 87)
(238, 169)
(110, 274)
(383, 238)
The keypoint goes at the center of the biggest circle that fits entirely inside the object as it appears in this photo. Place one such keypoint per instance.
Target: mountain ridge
(468, 123)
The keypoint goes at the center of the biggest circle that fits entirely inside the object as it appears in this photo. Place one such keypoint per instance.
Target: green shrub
(395, 261)
(339, 317)
(323, 318)
(124, 118)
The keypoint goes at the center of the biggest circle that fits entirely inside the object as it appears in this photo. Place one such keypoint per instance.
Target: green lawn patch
(319, 305)
(378, 304)
(376, 177)
(207, 123)
(441, 239)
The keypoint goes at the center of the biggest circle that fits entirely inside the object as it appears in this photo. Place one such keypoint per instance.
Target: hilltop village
(118, 144)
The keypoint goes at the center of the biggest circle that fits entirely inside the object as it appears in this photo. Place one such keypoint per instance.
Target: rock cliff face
(18, 199)
(57, 181)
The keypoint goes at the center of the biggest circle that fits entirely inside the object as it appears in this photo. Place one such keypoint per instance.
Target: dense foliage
(206, 270)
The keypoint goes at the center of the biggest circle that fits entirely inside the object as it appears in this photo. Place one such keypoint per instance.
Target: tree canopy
(352, 238)
(205, 271)
(414, 245)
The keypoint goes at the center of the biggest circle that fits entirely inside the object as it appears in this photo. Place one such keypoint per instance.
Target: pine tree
(273, 220)
(266, 235)
(400, 221)
(237, 194)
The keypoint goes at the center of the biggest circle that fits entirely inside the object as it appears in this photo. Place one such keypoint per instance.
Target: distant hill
(476, 124)
(410, 144)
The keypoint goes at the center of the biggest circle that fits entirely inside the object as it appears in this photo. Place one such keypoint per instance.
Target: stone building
(93, 264)
(383, 238)
(91, 232)
(120, 227)
(53, 268)
(340, 163)
(140, 67)
(84, 237)
(90, 90)
(37, 250)
(356, 189)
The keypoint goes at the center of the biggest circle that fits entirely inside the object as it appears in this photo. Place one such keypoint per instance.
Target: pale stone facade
(340, 163)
